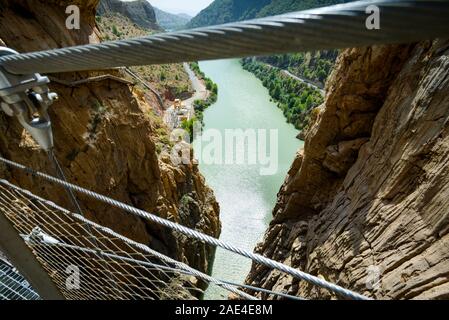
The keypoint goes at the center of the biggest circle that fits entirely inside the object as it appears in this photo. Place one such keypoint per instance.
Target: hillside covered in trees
(314, 66)
(295, 98)
(223, 11)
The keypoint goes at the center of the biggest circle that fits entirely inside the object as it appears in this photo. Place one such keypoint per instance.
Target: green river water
(245, 196)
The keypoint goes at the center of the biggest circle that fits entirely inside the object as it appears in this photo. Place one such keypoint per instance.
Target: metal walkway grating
(13, 286)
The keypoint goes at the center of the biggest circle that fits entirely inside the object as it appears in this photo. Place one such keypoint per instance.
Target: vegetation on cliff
(170, 80)
(313, 66)
(295, 98)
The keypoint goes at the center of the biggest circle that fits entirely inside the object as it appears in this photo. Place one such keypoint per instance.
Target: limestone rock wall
(367, 197)
(105, 137)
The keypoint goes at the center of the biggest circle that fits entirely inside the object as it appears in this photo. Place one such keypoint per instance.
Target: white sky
(191, 7)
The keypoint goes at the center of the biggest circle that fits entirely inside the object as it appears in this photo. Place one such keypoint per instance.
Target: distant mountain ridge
(185, 16)
(224, 11)
(170, 21)
(141, 12)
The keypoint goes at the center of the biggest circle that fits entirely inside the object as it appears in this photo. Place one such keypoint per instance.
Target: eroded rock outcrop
(105, 137)
(367, 198)
(139, 11)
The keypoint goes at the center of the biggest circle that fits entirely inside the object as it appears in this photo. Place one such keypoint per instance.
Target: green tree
(115, 31)
(277, 91)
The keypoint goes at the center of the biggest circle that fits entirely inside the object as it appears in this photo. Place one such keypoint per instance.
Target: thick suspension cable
(194, 234)
(334, 27)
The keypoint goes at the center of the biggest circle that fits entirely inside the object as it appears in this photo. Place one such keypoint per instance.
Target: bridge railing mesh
(87, 263)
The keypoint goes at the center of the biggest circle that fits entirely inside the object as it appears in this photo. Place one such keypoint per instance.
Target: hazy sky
(191, 7)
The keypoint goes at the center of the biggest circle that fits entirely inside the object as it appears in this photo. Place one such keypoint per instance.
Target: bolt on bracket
(27, 97)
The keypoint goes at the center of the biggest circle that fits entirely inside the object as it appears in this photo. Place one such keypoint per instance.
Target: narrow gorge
(357, 140)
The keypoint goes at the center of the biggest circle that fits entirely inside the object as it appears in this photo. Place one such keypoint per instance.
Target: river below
(245, 196)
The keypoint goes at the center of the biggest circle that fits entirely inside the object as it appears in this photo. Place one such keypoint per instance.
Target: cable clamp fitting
(27, 97)
(38, 236)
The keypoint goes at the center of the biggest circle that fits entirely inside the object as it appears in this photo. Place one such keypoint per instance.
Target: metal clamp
(38, 236)
(27, 97)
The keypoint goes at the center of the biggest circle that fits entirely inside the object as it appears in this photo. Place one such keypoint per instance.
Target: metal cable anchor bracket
(27, 97)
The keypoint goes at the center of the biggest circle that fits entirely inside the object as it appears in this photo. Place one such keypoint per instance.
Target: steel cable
(156, 266)
(60, 226)
(194, 234)
(334, 27)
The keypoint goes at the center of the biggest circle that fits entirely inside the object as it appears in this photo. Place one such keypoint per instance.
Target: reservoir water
(245, 196)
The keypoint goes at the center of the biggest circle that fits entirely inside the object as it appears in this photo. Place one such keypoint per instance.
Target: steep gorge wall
(369, 191)
(139, 11)
(105, 138)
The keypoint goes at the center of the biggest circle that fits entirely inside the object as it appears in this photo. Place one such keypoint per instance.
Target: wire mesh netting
(116, 267)
(84, 261)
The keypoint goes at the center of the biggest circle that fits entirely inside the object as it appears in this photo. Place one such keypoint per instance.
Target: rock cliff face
(140, 12)
(170, 21)
(367, 197)
(105, 137)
